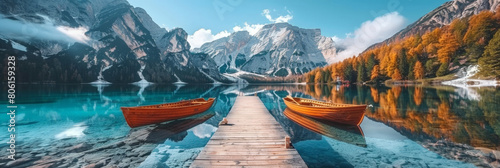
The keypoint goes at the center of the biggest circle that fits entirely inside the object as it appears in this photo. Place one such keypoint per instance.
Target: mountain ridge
(278, 49)
(441, 16)
(126, 46)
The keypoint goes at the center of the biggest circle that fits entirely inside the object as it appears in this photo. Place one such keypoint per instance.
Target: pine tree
(310, 77)
(402, 64)
(458, 28)
(362, 71)
(430, 68)
(370, 63)
(443, 69)
(490, 62)
(349, 73)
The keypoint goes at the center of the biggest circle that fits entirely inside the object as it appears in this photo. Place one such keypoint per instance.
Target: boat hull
(345, 114)
(139, 116)
(346, 133)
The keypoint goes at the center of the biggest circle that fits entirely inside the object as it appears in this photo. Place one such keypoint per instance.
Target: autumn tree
(431, 41)
(458, 28)
(448, 45)
(392, 63)
(481, 29)
(490, 61)
(375, 72)
(318, 78)
(396, 75)
(418, 70)
(481, 26)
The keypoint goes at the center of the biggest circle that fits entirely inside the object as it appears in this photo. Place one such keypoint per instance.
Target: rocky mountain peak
(278, 49)
(444, 15)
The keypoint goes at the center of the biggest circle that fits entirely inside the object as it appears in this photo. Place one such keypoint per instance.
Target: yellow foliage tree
(396, 75)
(318, 77)
(375, 72)
(448, 45)
(480, 26)
(418, 70)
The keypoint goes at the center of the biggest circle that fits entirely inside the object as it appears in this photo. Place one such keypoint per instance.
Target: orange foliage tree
(448, 46)
(375, 72)
(418, 70)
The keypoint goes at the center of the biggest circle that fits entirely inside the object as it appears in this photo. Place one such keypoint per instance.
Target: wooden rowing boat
(352, 134)
(151, 114)
(340, 113)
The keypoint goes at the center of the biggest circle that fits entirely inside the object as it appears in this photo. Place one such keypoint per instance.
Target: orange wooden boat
(340, 113)
(351, 134)
(151, 114)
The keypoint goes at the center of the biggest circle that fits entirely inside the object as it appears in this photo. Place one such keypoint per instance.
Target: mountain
(444, 15)
(278, 49)
(452, 39)
(125, 45)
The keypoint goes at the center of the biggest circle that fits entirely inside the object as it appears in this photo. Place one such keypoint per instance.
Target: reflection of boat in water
(345, 133)
(160, 132)
(144, 115)
(341, 113)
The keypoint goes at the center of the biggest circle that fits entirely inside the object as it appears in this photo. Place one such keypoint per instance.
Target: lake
(409, 126)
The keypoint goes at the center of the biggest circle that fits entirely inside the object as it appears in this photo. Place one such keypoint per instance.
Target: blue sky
(335, 18)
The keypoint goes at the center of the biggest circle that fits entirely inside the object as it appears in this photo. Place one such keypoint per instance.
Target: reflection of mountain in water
(349, 134)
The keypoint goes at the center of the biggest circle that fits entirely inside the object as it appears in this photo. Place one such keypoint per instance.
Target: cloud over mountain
(369, 33)
(44, 29)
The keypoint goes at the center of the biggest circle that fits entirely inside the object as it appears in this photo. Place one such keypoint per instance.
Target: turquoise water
(78, 125)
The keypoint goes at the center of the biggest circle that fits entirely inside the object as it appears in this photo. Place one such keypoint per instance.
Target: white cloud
(25, 30)
(336, 39)
(280, 19)
(370, 32)
(203, 36)
(252, 29)
(77, 34)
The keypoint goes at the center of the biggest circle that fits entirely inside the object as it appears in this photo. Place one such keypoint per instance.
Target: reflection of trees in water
(420, 112)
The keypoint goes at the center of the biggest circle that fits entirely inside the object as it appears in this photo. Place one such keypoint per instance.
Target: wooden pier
(252, 138)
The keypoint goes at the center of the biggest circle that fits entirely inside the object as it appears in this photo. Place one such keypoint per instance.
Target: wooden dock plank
(252, 138)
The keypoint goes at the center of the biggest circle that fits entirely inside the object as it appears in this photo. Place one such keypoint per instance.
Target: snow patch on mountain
(179, 82)
(143, 81)
(18, 46)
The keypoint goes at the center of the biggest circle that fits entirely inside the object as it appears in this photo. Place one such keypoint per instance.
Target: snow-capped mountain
(278, 49)
(124, 45)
